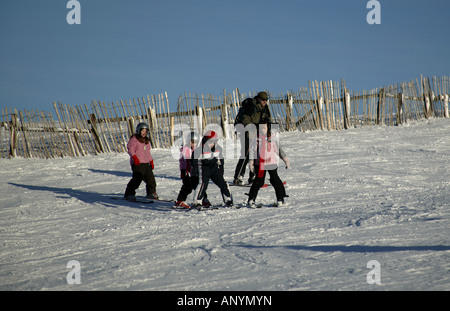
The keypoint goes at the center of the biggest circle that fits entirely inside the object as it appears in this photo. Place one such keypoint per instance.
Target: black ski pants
(216, 175)
(189, 184)
(243, 159)
(141, 172)
(275, 181)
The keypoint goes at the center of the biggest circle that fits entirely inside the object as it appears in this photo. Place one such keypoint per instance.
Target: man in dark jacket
(254, 112)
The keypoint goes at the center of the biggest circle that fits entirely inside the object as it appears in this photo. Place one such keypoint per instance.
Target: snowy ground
(372, 193)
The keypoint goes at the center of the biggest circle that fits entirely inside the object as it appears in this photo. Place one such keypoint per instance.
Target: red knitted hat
(210, 136)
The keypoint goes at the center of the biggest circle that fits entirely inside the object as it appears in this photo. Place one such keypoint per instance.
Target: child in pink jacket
(189, 179)
(264, 154)
(141, 163)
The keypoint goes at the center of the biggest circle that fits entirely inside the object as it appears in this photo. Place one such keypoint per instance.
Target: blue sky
(128, 49)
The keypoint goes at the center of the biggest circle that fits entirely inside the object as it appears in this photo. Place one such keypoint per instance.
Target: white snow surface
(371, 193)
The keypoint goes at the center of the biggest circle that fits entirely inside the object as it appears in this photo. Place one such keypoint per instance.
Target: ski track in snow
(371, 193)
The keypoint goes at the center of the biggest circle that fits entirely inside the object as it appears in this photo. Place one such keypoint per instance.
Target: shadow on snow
(353, 248)
(94, 197)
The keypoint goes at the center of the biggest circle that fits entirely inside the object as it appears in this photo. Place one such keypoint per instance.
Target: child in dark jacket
(208, 163)
(141, 164)
(190, 181)
(264, 154)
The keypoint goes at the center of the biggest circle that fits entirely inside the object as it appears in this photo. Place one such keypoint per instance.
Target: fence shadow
(129, 174)
(353, 248)
(95, 197)
(114, 173)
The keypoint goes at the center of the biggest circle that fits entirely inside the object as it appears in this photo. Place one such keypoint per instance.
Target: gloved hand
(251, 165)
(136, 160)
(152, 165)
(184, 173)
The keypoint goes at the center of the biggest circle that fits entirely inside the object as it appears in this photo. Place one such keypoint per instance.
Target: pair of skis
(260, 205)
(141, 200)
(249, 185)
(195, 207)
(236, 206)
(144, 200)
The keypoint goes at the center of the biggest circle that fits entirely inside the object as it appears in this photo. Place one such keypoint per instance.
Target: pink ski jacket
(140, 150)
(185, 157)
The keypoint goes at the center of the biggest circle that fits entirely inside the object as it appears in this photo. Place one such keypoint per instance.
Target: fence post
(319, 112)
(172, 129)
(97, 141)
(381, 106)
(347, 108)
(130, 125)
(427, 106)
(198, 123)
(27, 146)
(153, 125)
(446, 105)
(224, 115)
(289, 106)
(399, 108)
(13, 135)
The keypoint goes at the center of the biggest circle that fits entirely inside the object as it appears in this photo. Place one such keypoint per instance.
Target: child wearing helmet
(141, 163)
(190, 181)
(208, 163)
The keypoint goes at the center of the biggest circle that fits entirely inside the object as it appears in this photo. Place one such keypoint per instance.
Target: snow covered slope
(372, 193)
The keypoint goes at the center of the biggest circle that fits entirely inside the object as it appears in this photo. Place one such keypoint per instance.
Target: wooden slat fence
(101, 127)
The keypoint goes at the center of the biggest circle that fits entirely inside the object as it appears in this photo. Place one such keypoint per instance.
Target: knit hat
(210, 135)
(263, 95)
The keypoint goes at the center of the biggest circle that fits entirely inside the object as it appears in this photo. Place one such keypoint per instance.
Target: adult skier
(254, 110)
